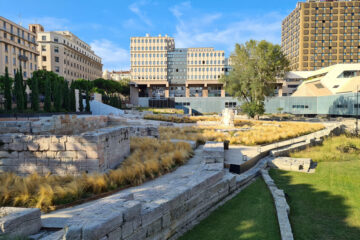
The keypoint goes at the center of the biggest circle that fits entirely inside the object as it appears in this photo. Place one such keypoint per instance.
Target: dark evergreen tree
(7, 90)
(72, 98)
(66, 100)
(34, 94)
(23, 87)
(19, 94)
(81, 105)
(47, 103)
(87, 106)
(57, 96)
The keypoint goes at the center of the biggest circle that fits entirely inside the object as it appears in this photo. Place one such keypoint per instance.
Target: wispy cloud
(113, 56)
(215, 29)
(136, 8)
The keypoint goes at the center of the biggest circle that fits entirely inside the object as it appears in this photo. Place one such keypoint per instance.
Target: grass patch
(162, 110)
(335, 149)
(248, 133)
(149, 158)
(325, 205)
(184, 119)
(250, 215)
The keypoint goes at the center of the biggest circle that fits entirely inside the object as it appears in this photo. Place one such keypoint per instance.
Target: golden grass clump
(185, 119)
(149, 158)
(245, 132)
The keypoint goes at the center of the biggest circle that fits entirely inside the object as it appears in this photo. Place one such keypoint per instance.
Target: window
(56, 40)
(57, 69)
(56, 49)
(44, 58)
(56, 59)
(43, 38)
(43, 48)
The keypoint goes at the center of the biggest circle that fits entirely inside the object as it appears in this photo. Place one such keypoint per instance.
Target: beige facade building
(17, 47)
(318, 34)
(159, 70)
(116, 75)
(65, 54)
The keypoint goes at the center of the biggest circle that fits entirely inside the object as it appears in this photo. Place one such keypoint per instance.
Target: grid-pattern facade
(318, 34)
(149, 57)
(17, 47)
(65, 54)
(158, 69)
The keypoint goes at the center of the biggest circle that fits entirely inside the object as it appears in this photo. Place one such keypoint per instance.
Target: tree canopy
(256, 65)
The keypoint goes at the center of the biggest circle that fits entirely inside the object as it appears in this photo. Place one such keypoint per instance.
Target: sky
(107, 25)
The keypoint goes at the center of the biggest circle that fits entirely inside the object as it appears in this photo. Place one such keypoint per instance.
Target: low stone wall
(281, 206)
(19, 222)
(291, 164)
(214, 152)
(98, 151)
(57, 124)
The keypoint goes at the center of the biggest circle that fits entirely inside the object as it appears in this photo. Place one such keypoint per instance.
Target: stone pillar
(166, 92)
(77, 99)
(134, 95)
(227, 118)
(222, 91)
(187, 91)
(205, 92)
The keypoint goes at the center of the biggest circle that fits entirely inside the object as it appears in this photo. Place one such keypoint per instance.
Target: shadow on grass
(250, 215)
(315, 214)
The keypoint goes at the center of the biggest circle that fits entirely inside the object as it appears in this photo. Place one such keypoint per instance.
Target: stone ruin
(228, 117)
(66, 144)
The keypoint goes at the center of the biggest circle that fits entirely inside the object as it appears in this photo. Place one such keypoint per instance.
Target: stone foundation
(94, 151)
(19, 222)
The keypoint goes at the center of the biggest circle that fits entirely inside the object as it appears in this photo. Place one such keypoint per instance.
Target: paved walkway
(239, 154)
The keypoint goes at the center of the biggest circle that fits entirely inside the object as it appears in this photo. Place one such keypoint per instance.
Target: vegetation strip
(149, 159)
(325, 205)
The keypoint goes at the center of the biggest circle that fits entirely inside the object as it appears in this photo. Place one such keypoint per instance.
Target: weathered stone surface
(19, 221)
(214, 152)
(291, 164)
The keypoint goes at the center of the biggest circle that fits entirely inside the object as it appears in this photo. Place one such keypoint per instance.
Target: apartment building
(318, 34)
(116, 75)
(65, 54)
(159, 70)
(17, 47)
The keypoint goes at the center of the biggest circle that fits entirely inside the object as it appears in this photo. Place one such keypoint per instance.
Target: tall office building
(17, 47)
(65, 54)
(318, 34)
(159, 70)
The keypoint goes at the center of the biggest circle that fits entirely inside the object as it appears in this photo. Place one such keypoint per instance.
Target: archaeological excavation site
(141, 175)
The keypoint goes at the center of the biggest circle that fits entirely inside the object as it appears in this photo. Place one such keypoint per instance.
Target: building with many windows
(65, 54)
(318, 34)
(17, 47)
(159, 70)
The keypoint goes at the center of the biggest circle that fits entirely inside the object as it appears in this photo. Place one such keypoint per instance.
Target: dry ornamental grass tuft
(149, 158)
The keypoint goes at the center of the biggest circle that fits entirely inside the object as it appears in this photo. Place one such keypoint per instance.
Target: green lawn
(326, 204)
(250, 215)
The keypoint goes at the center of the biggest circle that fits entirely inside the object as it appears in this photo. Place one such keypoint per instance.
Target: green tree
(72, 98)
(7, 90)
(87, 106)
(66, 96)
(19, 94)
(256, 67)
(23, 87)
(57, 96)
(47, 103)
(81, 105)
(35, 95)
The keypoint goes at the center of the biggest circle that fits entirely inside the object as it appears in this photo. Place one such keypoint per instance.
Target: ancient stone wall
(98, 150)
(57, 124)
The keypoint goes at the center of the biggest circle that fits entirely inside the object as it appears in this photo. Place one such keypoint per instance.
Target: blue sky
(108, 25)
